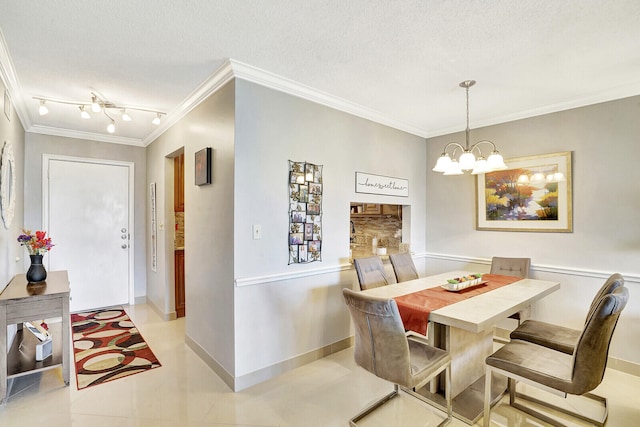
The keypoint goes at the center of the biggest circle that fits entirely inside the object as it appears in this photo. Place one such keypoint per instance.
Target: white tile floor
(185, 392)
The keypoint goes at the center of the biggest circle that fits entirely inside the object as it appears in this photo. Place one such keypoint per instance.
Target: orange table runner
(415, 307)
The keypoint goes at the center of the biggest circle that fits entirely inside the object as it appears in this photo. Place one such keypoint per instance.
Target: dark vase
(36, 272)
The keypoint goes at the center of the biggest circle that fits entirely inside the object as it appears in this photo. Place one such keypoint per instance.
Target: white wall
(606, 188)
(37, 144)
(285, 314)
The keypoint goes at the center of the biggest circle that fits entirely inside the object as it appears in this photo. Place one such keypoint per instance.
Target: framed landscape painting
(532, 194)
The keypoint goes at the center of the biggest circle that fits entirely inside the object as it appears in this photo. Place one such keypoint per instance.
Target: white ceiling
(397, 62)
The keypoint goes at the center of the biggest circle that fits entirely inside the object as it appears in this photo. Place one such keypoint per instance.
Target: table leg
(66, 341)
(468, 352)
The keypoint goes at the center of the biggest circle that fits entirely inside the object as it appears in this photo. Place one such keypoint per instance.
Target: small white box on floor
(44, 349)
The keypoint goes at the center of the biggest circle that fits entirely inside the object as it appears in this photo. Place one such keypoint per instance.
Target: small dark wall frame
(203, 166)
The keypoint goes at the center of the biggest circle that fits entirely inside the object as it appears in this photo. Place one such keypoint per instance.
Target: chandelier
(450, 165)
(99, 105)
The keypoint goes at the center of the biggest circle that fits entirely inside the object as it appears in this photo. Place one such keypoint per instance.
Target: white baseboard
(210, 361)
(164, 316)
(256, 377)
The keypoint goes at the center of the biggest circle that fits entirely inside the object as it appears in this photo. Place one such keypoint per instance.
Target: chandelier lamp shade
(99, 105)
(448, 164)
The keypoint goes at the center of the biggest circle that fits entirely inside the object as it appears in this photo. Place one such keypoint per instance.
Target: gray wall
(209, 219)
(241, 293)
(291, 310)
(10, 249)
(37, 145)
(606, 188)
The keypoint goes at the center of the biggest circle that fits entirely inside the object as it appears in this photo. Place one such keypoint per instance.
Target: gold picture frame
(533, 194)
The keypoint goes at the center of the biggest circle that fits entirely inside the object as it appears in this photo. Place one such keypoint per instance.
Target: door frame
(46, 158)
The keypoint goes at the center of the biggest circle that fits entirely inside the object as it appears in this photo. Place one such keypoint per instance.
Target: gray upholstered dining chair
(519, 267)
(559, 337)
(383, 348)
(370, 272)
(558, 372)
(403, 267)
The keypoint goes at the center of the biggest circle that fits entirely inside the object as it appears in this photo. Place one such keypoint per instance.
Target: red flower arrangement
(36, 244)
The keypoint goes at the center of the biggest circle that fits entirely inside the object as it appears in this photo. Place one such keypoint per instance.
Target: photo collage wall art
(305, 212)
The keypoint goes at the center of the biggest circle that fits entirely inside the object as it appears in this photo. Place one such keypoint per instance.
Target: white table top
(479, 313)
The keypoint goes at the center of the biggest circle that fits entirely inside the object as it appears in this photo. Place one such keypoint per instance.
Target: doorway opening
(178, 245)
(378, 229)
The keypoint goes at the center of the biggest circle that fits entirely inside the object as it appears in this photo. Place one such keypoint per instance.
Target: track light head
(42, 109)
(112, 127)
(156, 120)
(84, 113)
(126, 117)
(95, 104)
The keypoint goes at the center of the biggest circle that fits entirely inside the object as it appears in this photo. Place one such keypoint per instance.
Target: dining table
(462, 322)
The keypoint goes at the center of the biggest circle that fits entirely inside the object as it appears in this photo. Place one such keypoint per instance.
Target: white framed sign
(154, 227)
(379, 184)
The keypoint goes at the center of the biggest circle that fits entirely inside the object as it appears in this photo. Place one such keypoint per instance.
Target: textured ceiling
(401, 60)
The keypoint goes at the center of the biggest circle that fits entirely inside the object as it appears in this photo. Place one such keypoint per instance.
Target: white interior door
(88, 217)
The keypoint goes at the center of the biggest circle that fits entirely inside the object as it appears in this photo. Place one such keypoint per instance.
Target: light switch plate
(257, 232)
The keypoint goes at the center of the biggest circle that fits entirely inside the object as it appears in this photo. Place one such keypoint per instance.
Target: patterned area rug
(108, 346)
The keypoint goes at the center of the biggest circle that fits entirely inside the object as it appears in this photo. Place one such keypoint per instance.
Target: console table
(21, 303)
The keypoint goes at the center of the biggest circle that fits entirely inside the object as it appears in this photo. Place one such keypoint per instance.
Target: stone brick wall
(386, 228)
(179, 230)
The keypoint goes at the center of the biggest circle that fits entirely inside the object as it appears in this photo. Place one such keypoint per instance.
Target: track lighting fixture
(42, 109)
(98, 105)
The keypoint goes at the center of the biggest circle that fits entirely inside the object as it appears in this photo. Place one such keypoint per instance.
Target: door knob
(123, 230)
(124, 246)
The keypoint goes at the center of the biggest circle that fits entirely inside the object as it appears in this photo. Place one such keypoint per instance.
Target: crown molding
(11, 83)
(218, 79)
(232, 68)
(291, 87)
(611, 94)
(91, 136)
